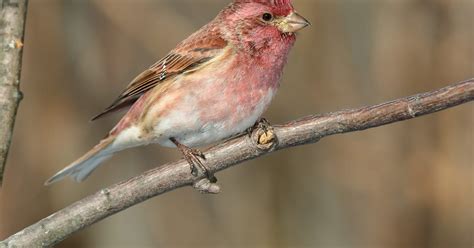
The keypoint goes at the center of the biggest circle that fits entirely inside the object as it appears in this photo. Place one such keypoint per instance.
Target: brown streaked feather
(187, 56)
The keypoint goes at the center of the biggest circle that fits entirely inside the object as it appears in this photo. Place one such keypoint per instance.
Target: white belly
(191, 130)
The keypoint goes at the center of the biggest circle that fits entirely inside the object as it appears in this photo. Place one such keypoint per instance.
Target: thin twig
(106, 202)
(12, 26)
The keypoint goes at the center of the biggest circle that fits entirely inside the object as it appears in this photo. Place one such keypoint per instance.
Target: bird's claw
(262, 124)
(193, 157)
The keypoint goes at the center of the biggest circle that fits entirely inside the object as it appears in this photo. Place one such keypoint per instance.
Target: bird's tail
(83, 167)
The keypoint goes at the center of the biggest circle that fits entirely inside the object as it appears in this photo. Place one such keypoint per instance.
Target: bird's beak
(292, 23)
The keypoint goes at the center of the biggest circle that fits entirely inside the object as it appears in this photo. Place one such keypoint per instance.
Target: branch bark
(12, 26)
(111, 200)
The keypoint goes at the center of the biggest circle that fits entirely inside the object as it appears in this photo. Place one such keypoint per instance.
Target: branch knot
(205, 186)
(265, 138)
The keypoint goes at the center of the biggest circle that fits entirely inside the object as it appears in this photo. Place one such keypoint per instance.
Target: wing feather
(193, 52)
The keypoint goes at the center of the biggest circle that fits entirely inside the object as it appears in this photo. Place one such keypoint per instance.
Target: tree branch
(106, 202)
(12, 26)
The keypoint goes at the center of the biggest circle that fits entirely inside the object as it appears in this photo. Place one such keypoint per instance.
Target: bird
(215, 84)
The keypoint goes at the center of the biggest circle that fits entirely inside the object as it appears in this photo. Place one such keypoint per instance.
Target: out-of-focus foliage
(404, 185)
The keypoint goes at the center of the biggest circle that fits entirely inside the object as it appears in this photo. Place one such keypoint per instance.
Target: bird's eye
(267, 17)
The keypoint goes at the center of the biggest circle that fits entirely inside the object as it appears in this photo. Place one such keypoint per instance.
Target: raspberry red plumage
(214, 84)
(279, 7)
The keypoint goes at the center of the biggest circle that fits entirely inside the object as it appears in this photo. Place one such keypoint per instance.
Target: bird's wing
(188, 55)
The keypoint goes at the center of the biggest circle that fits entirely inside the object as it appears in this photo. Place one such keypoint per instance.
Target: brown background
(404, 185)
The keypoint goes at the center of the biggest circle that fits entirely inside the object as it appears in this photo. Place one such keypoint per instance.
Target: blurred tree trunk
(12, 26)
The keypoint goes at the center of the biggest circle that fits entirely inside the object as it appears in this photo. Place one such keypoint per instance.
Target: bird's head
(260, 22)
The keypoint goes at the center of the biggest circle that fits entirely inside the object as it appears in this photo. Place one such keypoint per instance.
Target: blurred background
(405, 185)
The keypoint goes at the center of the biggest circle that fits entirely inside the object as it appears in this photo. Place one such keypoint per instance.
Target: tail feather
(83, 167)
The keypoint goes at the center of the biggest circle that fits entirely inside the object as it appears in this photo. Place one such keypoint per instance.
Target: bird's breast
(213, 103)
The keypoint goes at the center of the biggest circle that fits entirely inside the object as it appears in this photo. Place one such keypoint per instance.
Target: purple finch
(214, 84)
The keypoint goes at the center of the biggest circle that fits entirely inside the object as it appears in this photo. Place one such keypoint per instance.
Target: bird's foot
(262, 124)
(193, 157)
